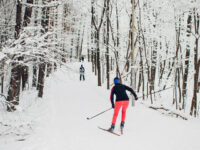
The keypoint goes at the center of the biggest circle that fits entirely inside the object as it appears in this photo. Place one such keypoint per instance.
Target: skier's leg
(83, 77)
(124, 108)
(80, 77)
(116, 111)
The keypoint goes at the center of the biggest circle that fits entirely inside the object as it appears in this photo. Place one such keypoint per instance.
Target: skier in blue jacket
(82, 73)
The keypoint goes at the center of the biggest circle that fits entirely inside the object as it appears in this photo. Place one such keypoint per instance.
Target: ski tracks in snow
(70, 102)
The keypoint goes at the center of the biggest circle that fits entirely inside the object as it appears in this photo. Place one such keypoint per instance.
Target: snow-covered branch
(50, 5)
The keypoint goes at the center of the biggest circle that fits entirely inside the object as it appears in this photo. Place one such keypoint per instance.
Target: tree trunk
(92, 59)
(34, 81)
(97, 30)
(14, 89)
(88, 50)
(81, 46)
(24, 75)
(49, 69)
(187, 55)
(27, 14)
(98, 60)
(55, 66)
(107, 47)
(15, 81)
(78, 46)
(41, 76)
(27, 17)
(42, 65)
(154, 63)
(196, 67)
(133, 47)
(18, 19)
(2, 84)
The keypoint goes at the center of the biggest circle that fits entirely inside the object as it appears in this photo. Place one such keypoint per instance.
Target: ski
(109, 131)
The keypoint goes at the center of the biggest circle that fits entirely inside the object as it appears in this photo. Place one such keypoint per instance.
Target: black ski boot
(122, 127)
(111, 129)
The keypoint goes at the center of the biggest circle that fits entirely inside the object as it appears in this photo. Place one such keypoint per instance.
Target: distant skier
(82, 59)
(82, 73)
(122, 100)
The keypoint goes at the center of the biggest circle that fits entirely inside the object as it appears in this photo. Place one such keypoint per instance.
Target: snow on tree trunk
(107, 46)
(27, 17)
(15, 81)
(42, 65)
(193, 109)
(187, 57)
(97, 30)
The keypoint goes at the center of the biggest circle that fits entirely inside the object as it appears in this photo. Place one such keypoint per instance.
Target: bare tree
(42, 65)
(14, 88)
(196, 65)
(27, 19)
(107, 48)
(187, 56)
(98, 29)
(133, 77)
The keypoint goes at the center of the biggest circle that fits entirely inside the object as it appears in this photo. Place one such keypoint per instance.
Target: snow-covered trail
(73, 101)
(70, 102)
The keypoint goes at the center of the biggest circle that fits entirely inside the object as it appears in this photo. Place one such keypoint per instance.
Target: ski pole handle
(98, 114)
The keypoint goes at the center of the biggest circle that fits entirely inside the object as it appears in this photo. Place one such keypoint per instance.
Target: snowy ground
(58, 121)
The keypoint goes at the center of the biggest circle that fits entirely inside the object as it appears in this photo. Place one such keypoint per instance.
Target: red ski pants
(118, 105)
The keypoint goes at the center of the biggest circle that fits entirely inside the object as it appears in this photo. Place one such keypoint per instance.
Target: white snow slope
(62, 125)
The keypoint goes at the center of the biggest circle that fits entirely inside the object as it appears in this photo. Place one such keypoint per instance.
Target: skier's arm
(112, 97)
(131, 90)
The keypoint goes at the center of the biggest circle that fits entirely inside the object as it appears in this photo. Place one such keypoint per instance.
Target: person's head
(116, 80)
(81, 65)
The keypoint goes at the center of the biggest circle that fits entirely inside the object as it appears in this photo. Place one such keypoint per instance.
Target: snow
(2, 56)
(58, 121)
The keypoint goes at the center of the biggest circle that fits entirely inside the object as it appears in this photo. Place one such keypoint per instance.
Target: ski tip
(109, 131)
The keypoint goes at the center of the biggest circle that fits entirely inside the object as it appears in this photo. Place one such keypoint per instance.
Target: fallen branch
(156, 108)
(168, 112)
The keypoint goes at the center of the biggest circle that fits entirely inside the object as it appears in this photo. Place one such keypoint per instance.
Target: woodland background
(152, 45)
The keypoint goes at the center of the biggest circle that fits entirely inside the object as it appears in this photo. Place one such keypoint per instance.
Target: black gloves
(136, 98)
(113, 106)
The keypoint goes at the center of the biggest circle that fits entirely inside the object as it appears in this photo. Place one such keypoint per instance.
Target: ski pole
(99, 114)
(156, 92)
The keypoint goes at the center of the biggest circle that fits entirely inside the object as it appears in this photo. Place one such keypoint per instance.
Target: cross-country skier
(82, 72)
(122, 100)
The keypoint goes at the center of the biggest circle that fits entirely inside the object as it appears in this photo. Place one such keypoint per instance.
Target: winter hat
(116, 80)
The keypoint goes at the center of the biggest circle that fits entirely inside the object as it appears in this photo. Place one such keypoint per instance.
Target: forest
(150, 45)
